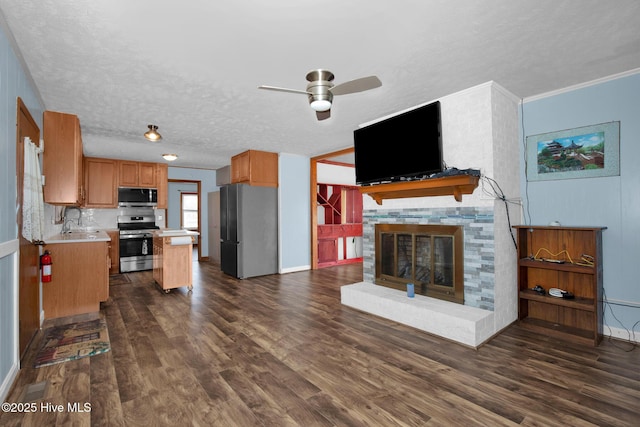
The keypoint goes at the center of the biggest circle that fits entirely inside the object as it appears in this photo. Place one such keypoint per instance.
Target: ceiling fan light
(170, 157)
(321, 105)
(152, 134)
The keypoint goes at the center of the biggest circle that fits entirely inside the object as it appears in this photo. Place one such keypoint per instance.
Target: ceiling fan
(321, 90)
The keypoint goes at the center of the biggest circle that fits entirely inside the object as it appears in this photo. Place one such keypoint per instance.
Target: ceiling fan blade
(357, 85)
(323, 115)
(283, 89)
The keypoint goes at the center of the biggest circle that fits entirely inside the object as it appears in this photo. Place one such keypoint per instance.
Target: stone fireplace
(480, 131)
(427, 256)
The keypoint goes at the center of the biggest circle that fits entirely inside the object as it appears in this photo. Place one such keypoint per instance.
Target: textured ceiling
(193, 67)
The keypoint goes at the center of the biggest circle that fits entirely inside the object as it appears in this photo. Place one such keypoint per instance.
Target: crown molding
(581, 85)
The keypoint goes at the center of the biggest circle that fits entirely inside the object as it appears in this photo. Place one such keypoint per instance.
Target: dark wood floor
(281, 350)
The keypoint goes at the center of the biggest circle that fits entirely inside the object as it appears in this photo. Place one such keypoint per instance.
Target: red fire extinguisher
(45, 266)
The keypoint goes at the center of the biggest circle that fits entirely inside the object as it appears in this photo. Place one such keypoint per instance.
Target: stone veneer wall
(478, 225)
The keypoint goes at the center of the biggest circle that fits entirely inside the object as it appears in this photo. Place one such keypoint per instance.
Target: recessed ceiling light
(170, 157)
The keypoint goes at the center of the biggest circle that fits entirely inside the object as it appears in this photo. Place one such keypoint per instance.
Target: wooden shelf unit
(454, 186)
(578, 319)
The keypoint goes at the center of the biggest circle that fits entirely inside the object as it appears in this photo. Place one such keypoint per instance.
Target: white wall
(335, 174)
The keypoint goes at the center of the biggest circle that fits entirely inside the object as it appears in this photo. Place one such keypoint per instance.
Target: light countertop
(170, 232)
(79, 237)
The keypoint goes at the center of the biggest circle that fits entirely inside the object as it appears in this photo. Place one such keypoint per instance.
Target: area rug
(73, 341)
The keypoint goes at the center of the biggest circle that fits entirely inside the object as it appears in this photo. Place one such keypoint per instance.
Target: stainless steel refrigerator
(248, 230)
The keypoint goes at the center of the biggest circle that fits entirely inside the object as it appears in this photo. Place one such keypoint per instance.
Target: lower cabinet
(79, 279)
(114, 252)
(172, 264)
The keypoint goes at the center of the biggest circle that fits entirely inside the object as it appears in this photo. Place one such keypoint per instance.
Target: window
(189, 210)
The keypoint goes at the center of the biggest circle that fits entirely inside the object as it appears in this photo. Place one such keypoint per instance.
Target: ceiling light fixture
(321, 104)
(170, 157)
(152, 134)
(320, 97)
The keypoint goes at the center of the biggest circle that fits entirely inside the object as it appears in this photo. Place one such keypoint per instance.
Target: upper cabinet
(137, 174)
(255, 168)
(162, 180)
(100, 182)
(62, 159)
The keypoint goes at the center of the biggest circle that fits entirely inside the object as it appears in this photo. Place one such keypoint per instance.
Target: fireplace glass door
(429, 256)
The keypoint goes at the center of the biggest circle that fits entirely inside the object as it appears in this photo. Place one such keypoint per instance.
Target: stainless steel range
(136, 240)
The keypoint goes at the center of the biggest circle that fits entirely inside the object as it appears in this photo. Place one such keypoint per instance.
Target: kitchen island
(172, 258)
(80, 273)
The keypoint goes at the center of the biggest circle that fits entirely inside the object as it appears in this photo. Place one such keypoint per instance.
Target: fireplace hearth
(429, 256)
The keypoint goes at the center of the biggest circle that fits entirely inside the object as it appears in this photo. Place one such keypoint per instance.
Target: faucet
(65, 225)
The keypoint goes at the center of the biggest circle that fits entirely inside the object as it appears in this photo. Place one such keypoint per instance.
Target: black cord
(499, 194)
(631, 333)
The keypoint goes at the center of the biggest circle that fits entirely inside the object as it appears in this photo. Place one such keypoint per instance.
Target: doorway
(328, 245)
(29, 272)
(175, 217)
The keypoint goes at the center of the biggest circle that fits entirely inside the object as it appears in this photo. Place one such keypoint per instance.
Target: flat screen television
(403, 147)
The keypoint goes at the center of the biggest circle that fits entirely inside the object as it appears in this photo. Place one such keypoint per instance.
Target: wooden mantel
(449, 185)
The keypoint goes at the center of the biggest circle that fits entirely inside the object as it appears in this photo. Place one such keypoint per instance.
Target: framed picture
(585, 152)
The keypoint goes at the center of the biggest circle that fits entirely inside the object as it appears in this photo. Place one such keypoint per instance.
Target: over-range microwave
(128, 196)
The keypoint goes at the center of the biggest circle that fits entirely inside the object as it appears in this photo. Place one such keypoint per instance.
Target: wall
(294, 212)
(612, 202)
(335, 174)
(14, 82)
(207, 180)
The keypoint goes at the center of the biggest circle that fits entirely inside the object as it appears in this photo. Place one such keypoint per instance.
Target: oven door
(136, 252)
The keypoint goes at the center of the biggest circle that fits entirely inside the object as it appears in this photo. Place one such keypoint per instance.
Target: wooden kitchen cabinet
(100, 182)
(80, 279)
(162, 181)
(255, 168)
(172, 264)
(114, 251)
(136, 174)
(62, 163)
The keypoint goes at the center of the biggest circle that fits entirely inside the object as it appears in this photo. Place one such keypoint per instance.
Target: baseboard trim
(621, 334)
(7, 382)
(295, 269)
